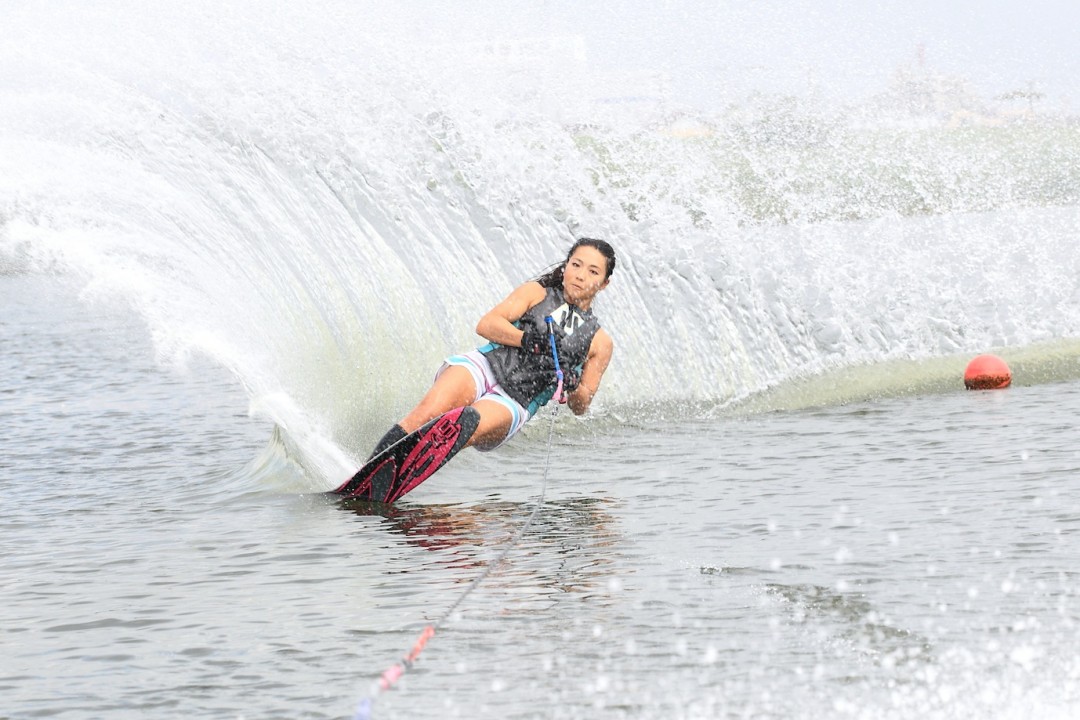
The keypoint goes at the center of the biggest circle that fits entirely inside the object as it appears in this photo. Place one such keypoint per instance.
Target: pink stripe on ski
(429, 454)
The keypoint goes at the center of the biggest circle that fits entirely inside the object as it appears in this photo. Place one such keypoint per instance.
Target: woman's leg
(495, 422)
(453, 388)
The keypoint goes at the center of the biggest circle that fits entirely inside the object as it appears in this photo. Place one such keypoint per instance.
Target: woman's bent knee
(495, 423)
(452, 389)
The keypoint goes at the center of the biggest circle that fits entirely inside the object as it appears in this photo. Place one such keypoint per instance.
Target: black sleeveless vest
(529, 378)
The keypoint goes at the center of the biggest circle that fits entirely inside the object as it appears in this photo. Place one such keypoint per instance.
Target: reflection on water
(579, 531)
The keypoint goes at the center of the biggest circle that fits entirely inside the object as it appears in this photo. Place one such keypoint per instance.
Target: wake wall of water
(327, 213)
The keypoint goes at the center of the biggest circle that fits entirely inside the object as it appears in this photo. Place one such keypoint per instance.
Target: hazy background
(713, 52)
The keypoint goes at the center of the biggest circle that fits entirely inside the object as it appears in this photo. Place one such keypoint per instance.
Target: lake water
(910, 557)
(236, 241)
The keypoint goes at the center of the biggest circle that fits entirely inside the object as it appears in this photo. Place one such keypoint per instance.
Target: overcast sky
(847, 48)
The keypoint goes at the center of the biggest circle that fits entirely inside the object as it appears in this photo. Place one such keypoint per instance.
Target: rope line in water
(393, 673)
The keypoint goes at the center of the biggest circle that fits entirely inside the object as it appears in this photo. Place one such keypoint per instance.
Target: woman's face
(584, 275)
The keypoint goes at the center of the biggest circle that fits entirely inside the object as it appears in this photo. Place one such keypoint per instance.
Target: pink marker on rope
(393, 673)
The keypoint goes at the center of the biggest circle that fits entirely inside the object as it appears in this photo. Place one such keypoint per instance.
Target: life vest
(530, 378)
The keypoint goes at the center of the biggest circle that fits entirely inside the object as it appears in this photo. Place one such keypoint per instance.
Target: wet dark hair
(553, 276)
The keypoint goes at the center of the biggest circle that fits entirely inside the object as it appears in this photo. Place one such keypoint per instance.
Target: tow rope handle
(559, 394)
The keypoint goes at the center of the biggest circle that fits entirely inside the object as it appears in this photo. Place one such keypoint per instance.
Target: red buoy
(987, 372)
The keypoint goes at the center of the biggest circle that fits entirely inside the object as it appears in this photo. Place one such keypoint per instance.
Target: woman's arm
(596, 363)
(498, 324)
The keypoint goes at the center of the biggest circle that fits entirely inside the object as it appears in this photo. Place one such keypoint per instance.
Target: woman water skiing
(482, 398)
(510, 378)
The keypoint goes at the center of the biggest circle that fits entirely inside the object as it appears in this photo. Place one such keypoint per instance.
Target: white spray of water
(327, 213)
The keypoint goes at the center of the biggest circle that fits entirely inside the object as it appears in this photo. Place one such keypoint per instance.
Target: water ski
(413, 459)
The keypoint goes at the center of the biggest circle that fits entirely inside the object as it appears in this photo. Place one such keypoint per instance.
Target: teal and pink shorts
(488, 388)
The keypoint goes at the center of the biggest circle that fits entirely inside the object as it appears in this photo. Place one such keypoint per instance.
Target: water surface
(908, 557)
